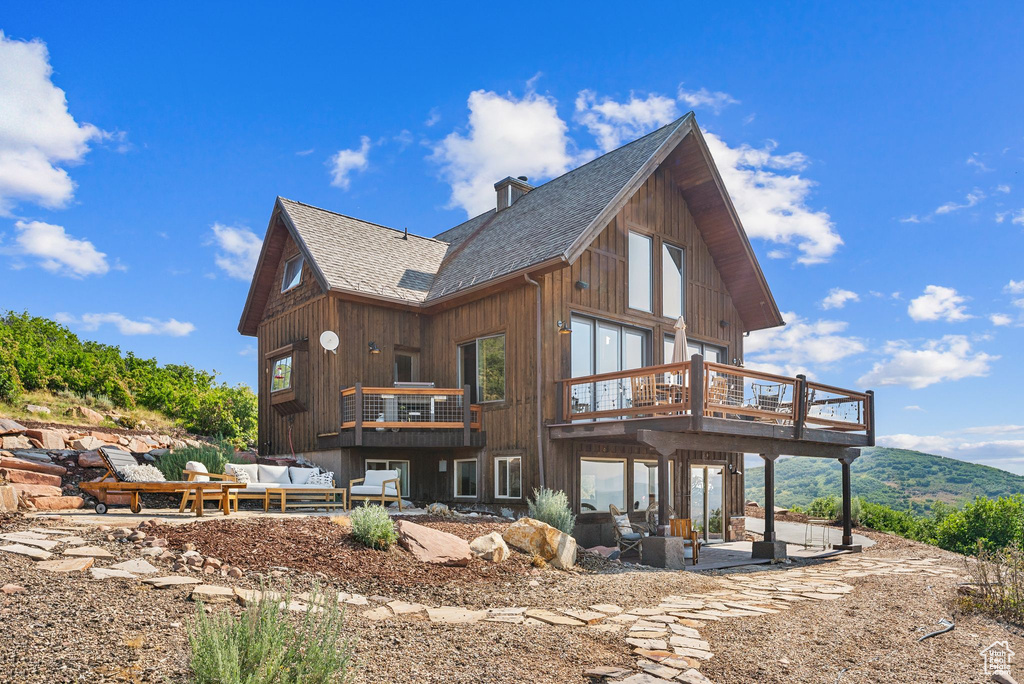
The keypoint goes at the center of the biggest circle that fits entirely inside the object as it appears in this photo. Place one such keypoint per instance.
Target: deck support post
(467, 433)
(800, 403)
(358, 399)
(663, 477)
(847, 544)
(769, 548)
(697, 381)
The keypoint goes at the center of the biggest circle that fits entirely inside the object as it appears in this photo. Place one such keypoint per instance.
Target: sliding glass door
(600, 346)
(707, 502)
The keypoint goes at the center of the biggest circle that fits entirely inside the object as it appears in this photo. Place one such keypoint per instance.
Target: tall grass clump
(373, 527)
(214, 457)
(269, 645)
(552, 507)
(997, 586)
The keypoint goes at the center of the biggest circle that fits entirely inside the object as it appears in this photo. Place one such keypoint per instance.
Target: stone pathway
(665, 639)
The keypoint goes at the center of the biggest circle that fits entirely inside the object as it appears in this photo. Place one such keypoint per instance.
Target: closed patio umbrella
(679, 353)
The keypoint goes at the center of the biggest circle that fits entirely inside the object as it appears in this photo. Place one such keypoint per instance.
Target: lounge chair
(628, 536)
(117, 461)
(377, 485)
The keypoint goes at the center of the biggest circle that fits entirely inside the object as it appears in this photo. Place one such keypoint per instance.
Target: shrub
(214, 457)
(984, 523)
(824, 507)
(552, 507)
(997, 586)
(855, 510)
(373, 527)
(267, 645)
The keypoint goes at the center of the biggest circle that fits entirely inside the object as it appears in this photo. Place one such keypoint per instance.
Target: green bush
(40, 354)
(552, 507)
(214, 457)
(989, 524)
(373, 527)
(267, 645)
(827, 507)
(855, 510)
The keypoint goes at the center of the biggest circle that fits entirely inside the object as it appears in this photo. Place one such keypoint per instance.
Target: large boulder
(10, 427)
(50, 439)
(86, 413)
(15, 442)
(87, 443)
(57, 503)
(9, 461)
(540, 539)
(433, 546)
(29, 477)
(8, 499)
(34, 490)
(90, 459)
(490, 547)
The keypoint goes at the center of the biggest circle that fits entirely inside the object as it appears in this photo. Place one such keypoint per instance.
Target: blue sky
(874, 153)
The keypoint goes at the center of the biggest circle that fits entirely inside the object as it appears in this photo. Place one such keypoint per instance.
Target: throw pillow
(240, 474)
(300, 476)
(141, 473)
(622, 523)
(321, 479)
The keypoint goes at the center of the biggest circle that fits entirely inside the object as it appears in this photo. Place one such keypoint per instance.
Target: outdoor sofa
(258, 478)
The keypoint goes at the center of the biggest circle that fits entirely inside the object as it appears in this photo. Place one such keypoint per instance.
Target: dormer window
(292, 273)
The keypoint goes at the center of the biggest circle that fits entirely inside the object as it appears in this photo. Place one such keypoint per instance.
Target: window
(602, 482)
(465, 479)
(640, 272)
(482, 367)
(292, 273)
(605, 347)
(645, 484)
(508, 477)
(407, 366)
(401, 466)
(282, 374)
(673, 281)
(710, 352)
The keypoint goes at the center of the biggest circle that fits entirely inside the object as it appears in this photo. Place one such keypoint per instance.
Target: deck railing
(722, 391)
(408, 408)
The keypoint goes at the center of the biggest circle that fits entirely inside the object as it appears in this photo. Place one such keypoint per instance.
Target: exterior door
(707, 501)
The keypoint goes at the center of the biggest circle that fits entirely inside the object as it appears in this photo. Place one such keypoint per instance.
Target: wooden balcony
(406, 417)
(714, 399)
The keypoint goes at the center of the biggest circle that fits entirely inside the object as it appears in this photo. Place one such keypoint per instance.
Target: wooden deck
(719, 408)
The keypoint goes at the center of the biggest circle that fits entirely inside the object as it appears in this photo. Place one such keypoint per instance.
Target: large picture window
(600, 346)
(640, 272)
(508, 477)
(645, 484)
(482, 367)
(602, 482)
(673, 281)
(281, 379)
(465, 479)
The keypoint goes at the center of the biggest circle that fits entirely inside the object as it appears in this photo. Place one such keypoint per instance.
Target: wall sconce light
(734, 470)
(374, 349)
(582, 284)
(563, 329)
(724, 323)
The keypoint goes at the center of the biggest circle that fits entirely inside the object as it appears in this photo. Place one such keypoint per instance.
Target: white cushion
(263, 486)
(369, 490)
(141, 473)
(300, 475)
(251, 471)
(198, 467)
(377, 477)
(270, 473)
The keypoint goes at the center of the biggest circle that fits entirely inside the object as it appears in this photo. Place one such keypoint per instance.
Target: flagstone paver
(170, 581)
(94, 551)
(44, 544)
(110, 573)
(455, 615)
(138, 566)
(22, 550)
(66, 564)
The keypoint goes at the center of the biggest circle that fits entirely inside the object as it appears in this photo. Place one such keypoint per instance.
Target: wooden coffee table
(325, 497)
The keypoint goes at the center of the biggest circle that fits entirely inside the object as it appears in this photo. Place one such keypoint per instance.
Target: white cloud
(1001, 216)
(715, 101)
(433, 117)
(913, 407)
(614, 123)
(1000, 319)
(1003, 188)
(838, 297)
(771, 203)
(948, 358)
(977, 163)
(37, 133)
(993, 429)
(914, 218)
(126, 326)
(966, 446)
(800, 345)
(1014, 287)
(506, 136)
(57, 251)
(345, 162)
(971, 200)
(932, 444)
(938, 303)
(239, 250)
(249, 350)
(305, 153)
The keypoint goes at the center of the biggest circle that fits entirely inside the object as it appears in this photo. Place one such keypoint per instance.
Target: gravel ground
(70, 628)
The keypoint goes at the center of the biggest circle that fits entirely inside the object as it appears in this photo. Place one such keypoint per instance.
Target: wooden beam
(358, 429)
(669, 442)
(769, 497)
(697, 391)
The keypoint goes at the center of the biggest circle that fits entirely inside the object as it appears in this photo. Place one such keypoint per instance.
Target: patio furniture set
(290, 486)
(629, 536)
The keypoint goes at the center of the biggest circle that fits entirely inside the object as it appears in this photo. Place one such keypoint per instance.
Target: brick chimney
(510, 189)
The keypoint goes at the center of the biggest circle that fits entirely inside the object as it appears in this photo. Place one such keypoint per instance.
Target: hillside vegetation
(898, 478)
(37, 354)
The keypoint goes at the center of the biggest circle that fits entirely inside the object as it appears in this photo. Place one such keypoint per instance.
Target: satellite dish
(329, 341)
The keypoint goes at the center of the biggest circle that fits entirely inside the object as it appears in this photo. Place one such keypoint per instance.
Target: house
(547, 329)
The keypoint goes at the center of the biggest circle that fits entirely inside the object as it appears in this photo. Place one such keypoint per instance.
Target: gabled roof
(553, 223)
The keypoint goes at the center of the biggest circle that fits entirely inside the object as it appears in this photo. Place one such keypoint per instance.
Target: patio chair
(377, 485)
(683, 527)
(628, 536)
(718, 393)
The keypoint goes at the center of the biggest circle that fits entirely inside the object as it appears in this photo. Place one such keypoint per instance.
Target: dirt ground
(71, 628)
